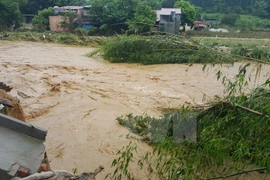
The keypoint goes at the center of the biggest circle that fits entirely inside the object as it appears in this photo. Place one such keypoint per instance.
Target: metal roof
(71, 7)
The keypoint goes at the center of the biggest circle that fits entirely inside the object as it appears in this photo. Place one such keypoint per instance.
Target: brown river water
(77, 98)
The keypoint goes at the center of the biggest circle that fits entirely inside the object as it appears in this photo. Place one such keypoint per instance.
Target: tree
(33, 6)
(260, 8)
(154, 4)
(168, 3)
(10, 15)
(143, 20)
(41, 21)
(254, 7)
(69, 2)
(113, 13)
(68, 19)
(21, 3)
(189, 12)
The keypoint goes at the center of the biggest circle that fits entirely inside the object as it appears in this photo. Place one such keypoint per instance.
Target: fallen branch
(250, 58)
(251, 110)
(236, 174)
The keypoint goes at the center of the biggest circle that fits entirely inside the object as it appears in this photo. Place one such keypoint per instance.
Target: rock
(16, 111)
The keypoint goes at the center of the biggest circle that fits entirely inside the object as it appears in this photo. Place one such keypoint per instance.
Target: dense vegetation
(10, 14)
(121, 15)
(78, 38)
(227, 137)
(254, 7)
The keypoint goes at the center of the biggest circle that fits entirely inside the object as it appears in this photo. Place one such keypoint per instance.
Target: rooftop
(71, 7)
(167, 11)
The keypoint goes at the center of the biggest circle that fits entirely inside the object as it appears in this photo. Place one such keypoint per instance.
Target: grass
(243, 34)
(231, 42)
(58, 38)
(254, 49)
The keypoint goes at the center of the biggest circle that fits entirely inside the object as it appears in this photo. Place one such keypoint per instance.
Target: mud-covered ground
(77, 98)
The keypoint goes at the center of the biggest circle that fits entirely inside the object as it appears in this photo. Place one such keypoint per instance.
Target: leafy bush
(240, 50)
(212, 16)
(68, 39)
(251, 22)
(254, 52)
(229, 19)
(93, 31)
(260, 53)
(81, 32)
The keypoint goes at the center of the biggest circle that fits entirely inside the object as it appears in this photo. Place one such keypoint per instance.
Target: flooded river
(77, 98)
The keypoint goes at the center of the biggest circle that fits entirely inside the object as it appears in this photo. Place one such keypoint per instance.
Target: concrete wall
(170, 25)
(55, 21)
(177, 23)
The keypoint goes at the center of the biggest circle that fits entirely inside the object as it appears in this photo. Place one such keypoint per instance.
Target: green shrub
(259, 53)
(81, 32)
(240, 50)
(229, 19)
(212, 16)
(251, 22)
(69, 39)
(93, 31)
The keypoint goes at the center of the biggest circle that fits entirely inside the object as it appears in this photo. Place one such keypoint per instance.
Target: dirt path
(77, 99)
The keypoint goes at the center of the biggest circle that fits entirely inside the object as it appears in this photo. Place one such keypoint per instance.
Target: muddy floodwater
(77, 98)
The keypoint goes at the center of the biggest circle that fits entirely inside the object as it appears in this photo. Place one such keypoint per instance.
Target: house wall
(177, 23)
(55, 24)
(55, 21)
(169, 25)
(164, 18)
(80, 13)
